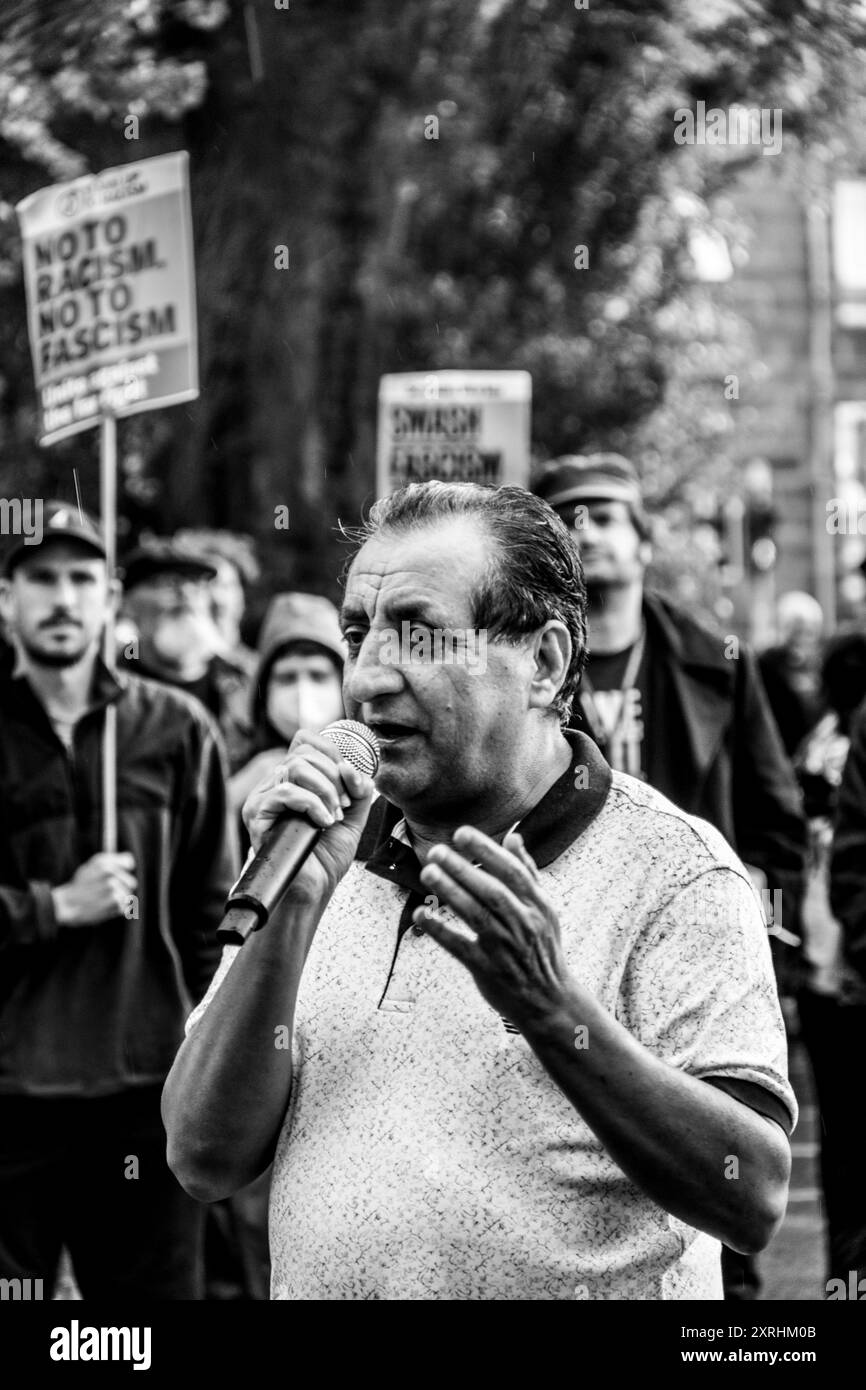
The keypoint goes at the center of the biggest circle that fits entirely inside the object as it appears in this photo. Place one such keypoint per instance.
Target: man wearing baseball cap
(666, 703)
(104, 952)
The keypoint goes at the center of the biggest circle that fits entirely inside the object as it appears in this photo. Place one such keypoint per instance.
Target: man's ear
(645, 553)
(551, 651)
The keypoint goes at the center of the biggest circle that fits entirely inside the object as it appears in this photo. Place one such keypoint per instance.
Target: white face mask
(306, 703)
(184, 639)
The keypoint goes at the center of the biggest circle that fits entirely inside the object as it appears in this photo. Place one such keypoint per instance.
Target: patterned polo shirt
(426, 1153)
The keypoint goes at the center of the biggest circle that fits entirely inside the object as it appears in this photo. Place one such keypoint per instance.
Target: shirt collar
(555, 822)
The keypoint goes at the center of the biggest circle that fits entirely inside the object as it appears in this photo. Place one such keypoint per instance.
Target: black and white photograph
(432, 667)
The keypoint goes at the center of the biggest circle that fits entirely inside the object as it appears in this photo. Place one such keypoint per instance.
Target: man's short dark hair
(535, 576)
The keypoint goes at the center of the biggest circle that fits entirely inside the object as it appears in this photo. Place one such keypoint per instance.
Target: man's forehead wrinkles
(375, 591)
(360, 595)
(405, 574)
(366, 564)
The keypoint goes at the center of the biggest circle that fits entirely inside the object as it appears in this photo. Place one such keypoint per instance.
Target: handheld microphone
(288, 842)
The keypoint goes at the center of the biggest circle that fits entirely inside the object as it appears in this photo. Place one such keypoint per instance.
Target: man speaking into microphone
(512, 1032)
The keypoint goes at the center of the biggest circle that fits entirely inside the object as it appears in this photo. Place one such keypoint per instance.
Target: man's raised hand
(516, 957)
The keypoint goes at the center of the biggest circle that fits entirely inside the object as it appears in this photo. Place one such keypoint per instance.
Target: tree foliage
(431, 169)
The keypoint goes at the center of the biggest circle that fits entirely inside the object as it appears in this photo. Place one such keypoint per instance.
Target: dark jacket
(91, 1010)
(224, 691)
(718, 750)
(795, 711)
(848, 857)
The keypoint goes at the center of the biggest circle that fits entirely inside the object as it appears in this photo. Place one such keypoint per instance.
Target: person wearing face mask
(167, 597)
(298, 684)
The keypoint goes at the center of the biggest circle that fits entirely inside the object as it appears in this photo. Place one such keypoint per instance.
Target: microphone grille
(358, 744)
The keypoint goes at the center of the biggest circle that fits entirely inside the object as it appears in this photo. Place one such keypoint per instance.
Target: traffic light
(760, 521)
(760, 516)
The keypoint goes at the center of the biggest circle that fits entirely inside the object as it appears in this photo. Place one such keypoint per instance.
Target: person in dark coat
(791, 670)
(104, 951)
(832, 1001)
(669, 701)
(848, 859)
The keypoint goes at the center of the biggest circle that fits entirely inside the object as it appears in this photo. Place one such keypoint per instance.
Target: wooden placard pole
(108, 508)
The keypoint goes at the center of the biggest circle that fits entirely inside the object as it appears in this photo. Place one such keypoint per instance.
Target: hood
(293, 618)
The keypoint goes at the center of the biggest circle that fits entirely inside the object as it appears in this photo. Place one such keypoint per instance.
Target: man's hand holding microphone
(227, 1092)
(315, 780)
(304, 823)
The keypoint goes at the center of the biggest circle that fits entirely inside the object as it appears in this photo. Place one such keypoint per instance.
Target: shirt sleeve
(27, 915)
(699, 989)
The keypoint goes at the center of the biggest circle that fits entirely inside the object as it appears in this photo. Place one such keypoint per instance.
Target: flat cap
(164, 557)
(579, 477)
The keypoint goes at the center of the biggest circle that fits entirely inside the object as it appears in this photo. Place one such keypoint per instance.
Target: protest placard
(457, 426)
(110, 285)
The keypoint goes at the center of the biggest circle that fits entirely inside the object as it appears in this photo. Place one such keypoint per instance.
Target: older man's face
(447, 729)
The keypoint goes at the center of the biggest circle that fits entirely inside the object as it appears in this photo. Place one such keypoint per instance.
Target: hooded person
(298, 683)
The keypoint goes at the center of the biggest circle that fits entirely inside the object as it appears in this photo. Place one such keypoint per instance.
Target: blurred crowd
(769, 747)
